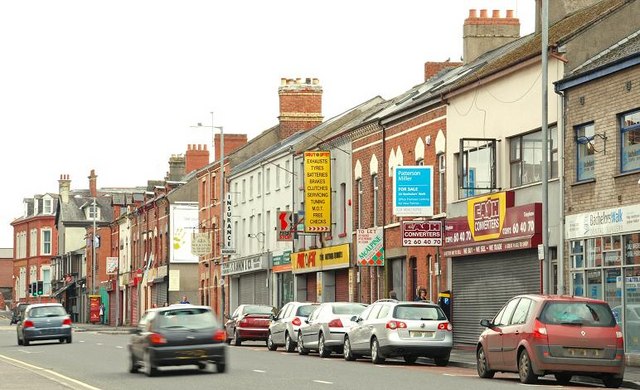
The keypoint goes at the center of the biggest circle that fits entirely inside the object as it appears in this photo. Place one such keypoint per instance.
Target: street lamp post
(93, 250)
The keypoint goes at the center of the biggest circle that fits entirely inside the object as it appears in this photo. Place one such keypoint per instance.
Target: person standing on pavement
(101, 313)
(184, 299)
(422, 295)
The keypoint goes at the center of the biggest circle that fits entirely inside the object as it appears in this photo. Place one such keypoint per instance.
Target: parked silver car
(325, 328)
(44, 321)
(390, 328)
(285, 326)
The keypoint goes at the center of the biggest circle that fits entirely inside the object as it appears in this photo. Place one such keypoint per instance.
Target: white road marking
(54, 376)
(469, 375)
(82, 341)
(323, 382)
(117, 346)
(260, 371)
(98, 343)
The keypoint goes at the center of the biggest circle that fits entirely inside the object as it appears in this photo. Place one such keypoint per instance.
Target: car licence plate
(416, 333)
(583, 352)
(190, 354)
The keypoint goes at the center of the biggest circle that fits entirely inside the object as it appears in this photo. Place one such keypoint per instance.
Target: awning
(62, 289)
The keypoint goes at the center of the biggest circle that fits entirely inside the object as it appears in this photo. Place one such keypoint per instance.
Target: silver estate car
(390, 328)
(44, 321)
(284, 327)
(325, 328)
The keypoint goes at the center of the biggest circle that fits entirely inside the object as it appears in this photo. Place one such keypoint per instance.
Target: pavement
(13, 372)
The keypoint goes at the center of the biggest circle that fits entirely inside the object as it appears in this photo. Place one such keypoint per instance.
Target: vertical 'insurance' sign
(317, 191)
(413, 191)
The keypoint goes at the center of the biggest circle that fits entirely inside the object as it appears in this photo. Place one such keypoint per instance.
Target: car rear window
(194, 318)
(577, 313)
(347, 309)
(418, 312)
(306, 310)
(255, 309)
(47, 311)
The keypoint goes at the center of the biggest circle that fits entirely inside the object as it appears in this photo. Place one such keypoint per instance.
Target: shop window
(630, 148)
(632, 249)
(577, 254)
(594, 252)
(585, 150)
(612, 252)
(594, 284)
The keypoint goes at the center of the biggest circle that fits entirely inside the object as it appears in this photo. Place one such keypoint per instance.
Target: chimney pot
(473, 13)
(283, 81)
(483, 13)
(496, 13)
(509, 13)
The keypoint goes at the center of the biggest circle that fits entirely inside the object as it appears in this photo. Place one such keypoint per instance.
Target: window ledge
(578, 183)
(625, 174)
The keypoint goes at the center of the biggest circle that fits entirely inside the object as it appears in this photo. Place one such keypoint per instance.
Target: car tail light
(296, 321)
(395, 325)
(67, 321)
(220, 335)
(157, 338)
(335, 323)
(540, 331)
(445, 326)
(619, 338)
(27, 324)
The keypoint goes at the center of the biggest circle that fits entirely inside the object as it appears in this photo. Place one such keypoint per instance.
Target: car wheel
(289, 345)
(236, 339)
(348, 355)
(301, 349)
(482, 364)
(524, 368)
(376, 358)
(441, 361)
(563, 378)
(202, 365)
(149, 369)
(270, 344)
(69, 340)
(61, 340)
(221, 367)
(323, 351)
(410, 359)
(133, 364)
(19, 341)
(611, 381)
(25, 342)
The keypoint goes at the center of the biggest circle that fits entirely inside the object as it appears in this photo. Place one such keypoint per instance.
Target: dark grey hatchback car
(177, 335)
(43, 321)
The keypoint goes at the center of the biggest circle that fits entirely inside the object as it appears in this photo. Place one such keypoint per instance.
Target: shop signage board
(201, 243)
(322, 259)
(112, 265)
(317, 191)
(602, 222)
(413, 191)
(228, 248)
(370, 247)
(421, 233)
(249, 264)
(284, 226)
(521, 228)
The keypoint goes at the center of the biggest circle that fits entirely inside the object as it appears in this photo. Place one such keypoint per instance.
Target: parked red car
(249, 322)
(537, 335)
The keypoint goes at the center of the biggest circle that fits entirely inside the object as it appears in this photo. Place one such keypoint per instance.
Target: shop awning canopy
(62, 289)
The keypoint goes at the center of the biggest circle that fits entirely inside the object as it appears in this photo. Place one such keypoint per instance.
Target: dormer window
(47, 205)
(92, 212)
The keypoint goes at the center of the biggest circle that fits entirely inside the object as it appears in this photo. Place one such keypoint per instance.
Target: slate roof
(626, 48)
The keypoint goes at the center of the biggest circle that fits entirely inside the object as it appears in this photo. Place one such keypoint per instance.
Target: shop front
(248, 280)
(322, 275)
(284, 281)
(493, 255)
(604, 263)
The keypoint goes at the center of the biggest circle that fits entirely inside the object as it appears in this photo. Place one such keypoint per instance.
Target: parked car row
(387, 328)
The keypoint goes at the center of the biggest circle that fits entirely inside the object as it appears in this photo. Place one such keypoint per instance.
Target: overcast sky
(116, 86)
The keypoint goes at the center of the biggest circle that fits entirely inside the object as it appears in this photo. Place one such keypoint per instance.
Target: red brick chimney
(300, 105)
(64, 187)
(433, 68)
(197, 157)
(482, 34)
(92, 183)
(232, 142)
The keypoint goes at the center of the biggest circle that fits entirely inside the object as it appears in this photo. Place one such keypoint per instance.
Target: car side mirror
(486, 323)
(354, 318)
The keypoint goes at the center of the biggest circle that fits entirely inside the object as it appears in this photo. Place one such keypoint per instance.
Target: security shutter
(246, 289)
(261, 292)
(342, 285)
(483, 284)
(161, 293)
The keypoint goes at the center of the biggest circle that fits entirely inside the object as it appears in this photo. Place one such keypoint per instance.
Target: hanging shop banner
(521, 229)
(184, 218)
(486, 214)
(228, 248)
(201, 243)
(284, 226)
(421, 233)
(370, 247)
(333, 257)
(112, 265)
(317, 191)
(413, 191)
